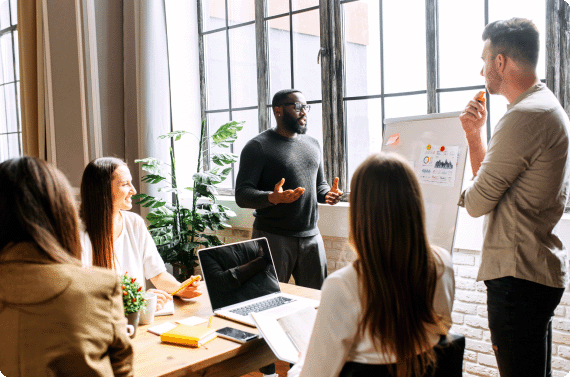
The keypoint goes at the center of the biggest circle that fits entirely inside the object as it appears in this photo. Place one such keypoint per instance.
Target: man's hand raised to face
(334, 195)
(287, 196)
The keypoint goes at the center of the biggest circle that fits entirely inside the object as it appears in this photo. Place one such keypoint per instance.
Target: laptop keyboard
(262, 305)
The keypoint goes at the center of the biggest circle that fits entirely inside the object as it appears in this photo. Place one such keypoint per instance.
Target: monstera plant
(179, 231)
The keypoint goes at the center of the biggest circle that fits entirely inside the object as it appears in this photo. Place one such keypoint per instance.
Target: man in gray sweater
(281, 177)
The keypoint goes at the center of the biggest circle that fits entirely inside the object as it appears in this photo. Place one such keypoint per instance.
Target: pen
(195, 278)
(210, 322)
(481, 97)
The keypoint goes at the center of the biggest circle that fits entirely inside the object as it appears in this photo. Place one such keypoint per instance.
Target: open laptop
(241, 279)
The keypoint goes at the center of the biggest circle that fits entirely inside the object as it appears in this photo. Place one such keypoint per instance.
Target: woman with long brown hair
(115, 238)
(51, 316)
(394, 302)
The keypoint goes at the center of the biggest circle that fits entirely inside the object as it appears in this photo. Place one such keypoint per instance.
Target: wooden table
(220, 357)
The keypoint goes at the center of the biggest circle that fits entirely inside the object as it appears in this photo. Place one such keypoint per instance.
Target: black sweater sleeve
(247, 194)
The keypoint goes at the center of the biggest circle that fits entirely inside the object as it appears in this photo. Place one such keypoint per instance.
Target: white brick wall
(469, 309)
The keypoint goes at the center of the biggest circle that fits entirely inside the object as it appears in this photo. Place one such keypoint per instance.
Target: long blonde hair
(396, 267)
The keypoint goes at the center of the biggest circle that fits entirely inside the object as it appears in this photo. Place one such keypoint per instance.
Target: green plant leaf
(152, 178)
(161, 217)
(226, 133)
(206, 178)
(222, 159)
(175, 134)
(151, 165)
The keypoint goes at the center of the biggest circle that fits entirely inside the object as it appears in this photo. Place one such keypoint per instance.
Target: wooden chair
(449, 353)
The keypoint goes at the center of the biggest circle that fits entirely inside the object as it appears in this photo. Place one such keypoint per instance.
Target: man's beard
(292, 124)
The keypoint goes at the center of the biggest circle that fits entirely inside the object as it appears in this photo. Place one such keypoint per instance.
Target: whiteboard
(440, 193)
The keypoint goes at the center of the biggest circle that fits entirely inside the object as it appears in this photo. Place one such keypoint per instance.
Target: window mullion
(334, 148)
(203, 91)
(262, 57)
(432, 56)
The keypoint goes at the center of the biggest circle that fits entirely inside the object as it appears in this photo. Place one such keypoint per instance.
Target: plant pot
(133, 319)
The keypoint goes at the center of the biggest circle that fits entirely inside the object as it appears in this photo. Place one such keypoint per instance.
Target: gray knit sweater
(266, 159)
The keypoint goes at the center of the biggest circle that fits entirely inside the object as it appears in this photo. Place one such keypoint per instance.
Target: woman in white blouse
(394, 302)
(117, 239)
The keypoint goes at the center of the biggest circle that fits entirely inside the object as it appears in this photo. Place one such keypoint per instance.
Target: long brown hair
(97, 208)
(396, 267)
(37, 206)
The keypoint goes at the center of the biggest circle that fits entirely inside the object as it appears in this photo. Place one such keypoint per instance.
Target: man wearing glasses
(281, 177)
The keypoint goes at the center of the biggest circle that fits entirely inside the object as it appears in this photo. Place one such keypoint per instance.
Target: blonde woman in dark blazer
(56, 318)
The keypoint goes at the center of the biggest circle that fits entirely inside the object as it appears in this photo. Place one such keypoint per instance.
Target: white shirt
(334, 339)
(135, 251)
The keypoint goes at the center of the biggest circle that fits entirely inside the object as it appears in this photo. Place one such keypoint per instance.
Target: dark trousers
(520, 314)
(302, 257)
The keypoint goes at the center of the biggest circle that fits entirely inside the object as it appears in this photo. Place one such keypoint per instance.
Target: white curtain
(147, 99)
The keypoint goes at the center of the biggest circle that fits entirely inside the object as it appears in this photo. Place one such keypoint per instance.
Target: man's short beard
(292, 124)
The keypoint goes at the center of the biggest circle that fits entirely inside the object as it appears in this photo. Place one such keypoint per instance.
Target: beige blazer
(59, 319)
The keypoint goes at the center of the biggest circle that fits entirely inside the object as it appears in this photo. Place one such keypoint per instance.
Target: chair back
(449, 361)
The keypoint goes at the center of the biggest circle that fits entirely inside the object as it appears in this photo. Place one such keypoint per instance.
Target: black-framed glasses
(298, 106)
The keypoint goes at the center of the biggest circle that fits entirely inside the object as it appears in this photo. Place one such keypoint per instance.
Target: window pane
(7, 57)
(362, 47)
(17, 52)
(19, 106)
(14, 145)
(404, 46)
(4, 153)
(497, 108)
(14, 9)
(5, 14)
(532, 10)
(3, 124)
(303, 4)
(241, 11)
(314, 122)
(307, 42)
(363, 131)
(279, 55)
(214, 16)
(216, 70)
(455, 101)
(460, 43)
(405, 106)
(250, 130)
(243, 66)
(11, 116)
(275, 7)
(215, 120)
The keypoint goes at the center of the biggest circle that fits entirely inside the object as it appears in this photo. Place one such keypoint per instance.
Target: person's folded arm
(511, 151)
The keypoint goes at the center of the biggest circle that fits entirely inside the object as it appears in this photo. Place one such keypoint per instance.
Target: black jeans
(520, 314)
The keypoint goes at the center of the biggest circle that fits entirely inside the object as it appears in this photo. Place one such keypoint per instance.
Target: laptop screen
(238, 272)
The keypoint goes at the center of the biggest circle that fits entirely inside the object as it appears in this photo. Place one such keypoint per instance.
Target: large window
(10, 121)
(357, 62)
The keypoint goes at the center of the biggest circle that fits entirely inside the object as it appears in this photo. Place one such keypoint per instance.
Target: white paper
(162, 328)
(192, 321)
(438, 167)
(167, 309)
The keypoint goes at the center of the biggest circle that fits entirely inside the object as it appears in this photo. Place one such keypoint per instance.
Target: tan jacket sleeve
(120, 350)
(511, 151)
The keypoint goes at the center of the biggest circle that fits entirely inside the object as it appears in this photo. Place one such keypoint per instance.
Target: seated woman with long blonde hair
(116, 238)
(392, 304)
(56, 318)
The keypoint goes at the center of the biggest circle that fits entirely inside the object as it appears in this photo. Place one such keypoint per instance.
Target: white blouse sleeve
(334, 332)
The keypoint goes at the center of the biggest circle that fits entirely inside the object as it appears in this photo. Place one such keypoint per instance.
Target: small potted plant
(133, 300)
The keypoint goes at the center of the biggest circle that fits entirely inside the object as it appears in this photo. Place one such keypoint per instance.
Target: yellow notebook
(193, 336)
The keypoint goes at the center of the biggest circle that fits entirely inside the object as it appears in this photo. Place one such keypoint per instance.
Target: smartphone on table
(236, 335)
